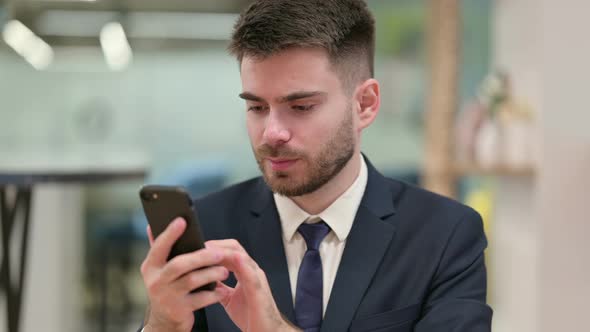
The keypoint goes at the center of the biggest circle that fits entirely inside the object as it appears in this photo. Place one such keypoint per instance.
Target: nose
(276, 131)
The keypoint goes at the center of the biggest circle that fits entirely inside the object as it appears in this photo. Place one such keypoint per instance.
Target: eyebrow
(288, 98)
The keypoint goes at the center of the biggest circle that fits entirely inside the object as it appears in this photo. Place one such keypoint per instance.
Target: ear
(369, 99)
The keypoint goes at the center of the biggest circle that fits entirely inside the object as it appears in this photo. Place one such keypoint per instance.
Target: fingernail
(177, 223)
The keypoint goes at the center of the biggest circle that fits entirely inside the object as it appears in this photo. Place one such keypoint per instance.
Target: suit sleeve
(457, 296)
(200, 321)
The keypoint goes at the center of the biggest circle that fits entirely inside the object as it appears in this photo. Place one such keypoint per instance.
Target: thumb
(226, 292)
(150, 235)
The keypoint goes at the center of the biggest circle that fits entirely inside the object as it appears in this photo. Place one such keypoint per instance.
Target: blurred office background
(483, 100)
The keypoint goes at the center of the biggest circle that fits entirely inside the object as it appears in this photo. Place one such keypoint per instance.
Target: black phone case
(162, 204)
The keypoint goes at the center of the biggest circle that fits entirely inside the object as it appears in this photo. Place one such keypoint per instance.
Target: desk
(16, 202)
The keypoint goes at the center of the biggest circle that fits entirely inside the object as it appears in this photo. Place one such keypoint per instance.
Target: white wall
(514, 243)
(564, 178)
(541, 255)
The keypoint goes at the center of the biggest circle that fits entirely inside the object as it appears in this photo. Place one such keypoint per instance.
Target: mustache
(266, 151)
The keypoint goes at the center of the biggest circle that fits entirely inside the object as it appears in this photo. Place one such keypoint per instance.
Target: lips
(281, 164)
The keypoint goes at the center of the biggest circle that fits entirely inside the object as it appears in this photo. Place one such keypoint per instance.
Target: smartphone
(163, 204)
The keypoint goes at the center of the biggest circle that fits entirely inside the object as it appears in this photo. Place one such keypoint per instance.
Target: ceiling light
(28, 45)
(115, 46)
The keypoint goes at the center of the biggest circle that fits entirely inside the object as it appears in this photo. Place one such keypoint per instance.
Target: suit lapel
(266, 248)
(366, 244)
(369, 238)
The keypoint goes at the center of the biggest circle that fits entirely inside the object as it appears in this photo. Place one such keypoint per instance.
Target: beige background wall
(541, 253)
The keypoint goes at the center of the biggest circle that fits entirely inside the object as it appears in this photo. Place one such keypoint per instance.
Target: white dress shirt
(339, 216)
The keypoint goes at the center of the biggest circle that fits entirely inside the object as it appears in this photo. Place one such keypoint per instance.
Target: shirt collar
(339, 215)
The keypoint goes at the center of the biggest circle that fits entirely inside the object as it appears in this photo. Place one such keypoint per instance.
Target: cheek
(254, 130)
(312, 135)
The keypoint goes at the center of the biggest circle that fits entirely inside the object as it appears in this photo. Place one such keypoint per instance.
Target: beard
(333, 155)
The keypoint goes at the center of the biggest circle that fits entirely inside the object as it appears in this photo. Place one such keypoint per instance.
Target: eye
(303, 108)
(256, 108)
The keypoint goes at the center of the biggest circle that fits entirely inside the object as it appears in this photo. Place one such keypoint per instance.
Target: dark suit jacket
(414, 260)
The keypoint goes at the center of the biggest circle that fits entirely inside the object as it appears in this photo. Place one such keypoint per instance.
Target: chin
(282, 184)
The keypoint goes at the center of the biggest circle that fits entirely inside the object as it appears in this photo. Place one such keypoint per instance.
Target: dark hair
(344, 28)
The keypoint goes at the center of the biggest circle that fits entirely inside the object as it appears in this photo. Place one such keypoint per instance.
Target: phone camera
(148, 197)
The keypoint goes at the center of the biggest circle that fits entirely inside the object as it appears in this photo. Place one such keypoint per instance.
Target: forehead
(289, 70)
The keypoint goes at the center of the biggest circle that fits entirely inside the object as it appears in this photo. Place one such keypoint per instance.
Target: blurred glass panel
(395, 141)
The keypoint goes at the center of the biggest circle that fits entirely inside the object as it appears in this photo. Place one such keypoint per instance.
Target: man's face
(300, 122)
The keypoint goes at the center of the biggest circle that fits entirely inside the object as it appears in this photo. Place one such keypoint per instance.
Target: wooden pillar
(443, 55)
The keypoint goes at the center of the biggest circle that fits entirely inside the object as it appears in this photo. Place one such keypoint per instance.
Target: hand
(250, 305)
(169, 283)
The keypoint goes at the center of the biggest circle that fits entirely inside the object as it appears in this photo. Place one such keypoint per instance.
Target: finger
(202, 299)
(200, 278)
(247, 274)
(224, 289)
(227, 288)
(233, 251)
(183, 264)
(160, 250)
(231, 244)
(150, 235)
(230, 248)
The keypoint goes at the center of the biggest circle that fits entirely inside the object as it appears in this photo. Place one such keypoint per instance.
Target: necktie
(308, 296)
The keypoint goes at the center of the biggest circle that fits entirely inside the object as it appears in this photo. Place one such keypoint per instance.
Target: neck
(319, 200)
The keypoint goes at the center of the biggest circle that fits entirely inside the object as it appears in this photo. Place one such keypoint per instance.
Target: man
(322, 241)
